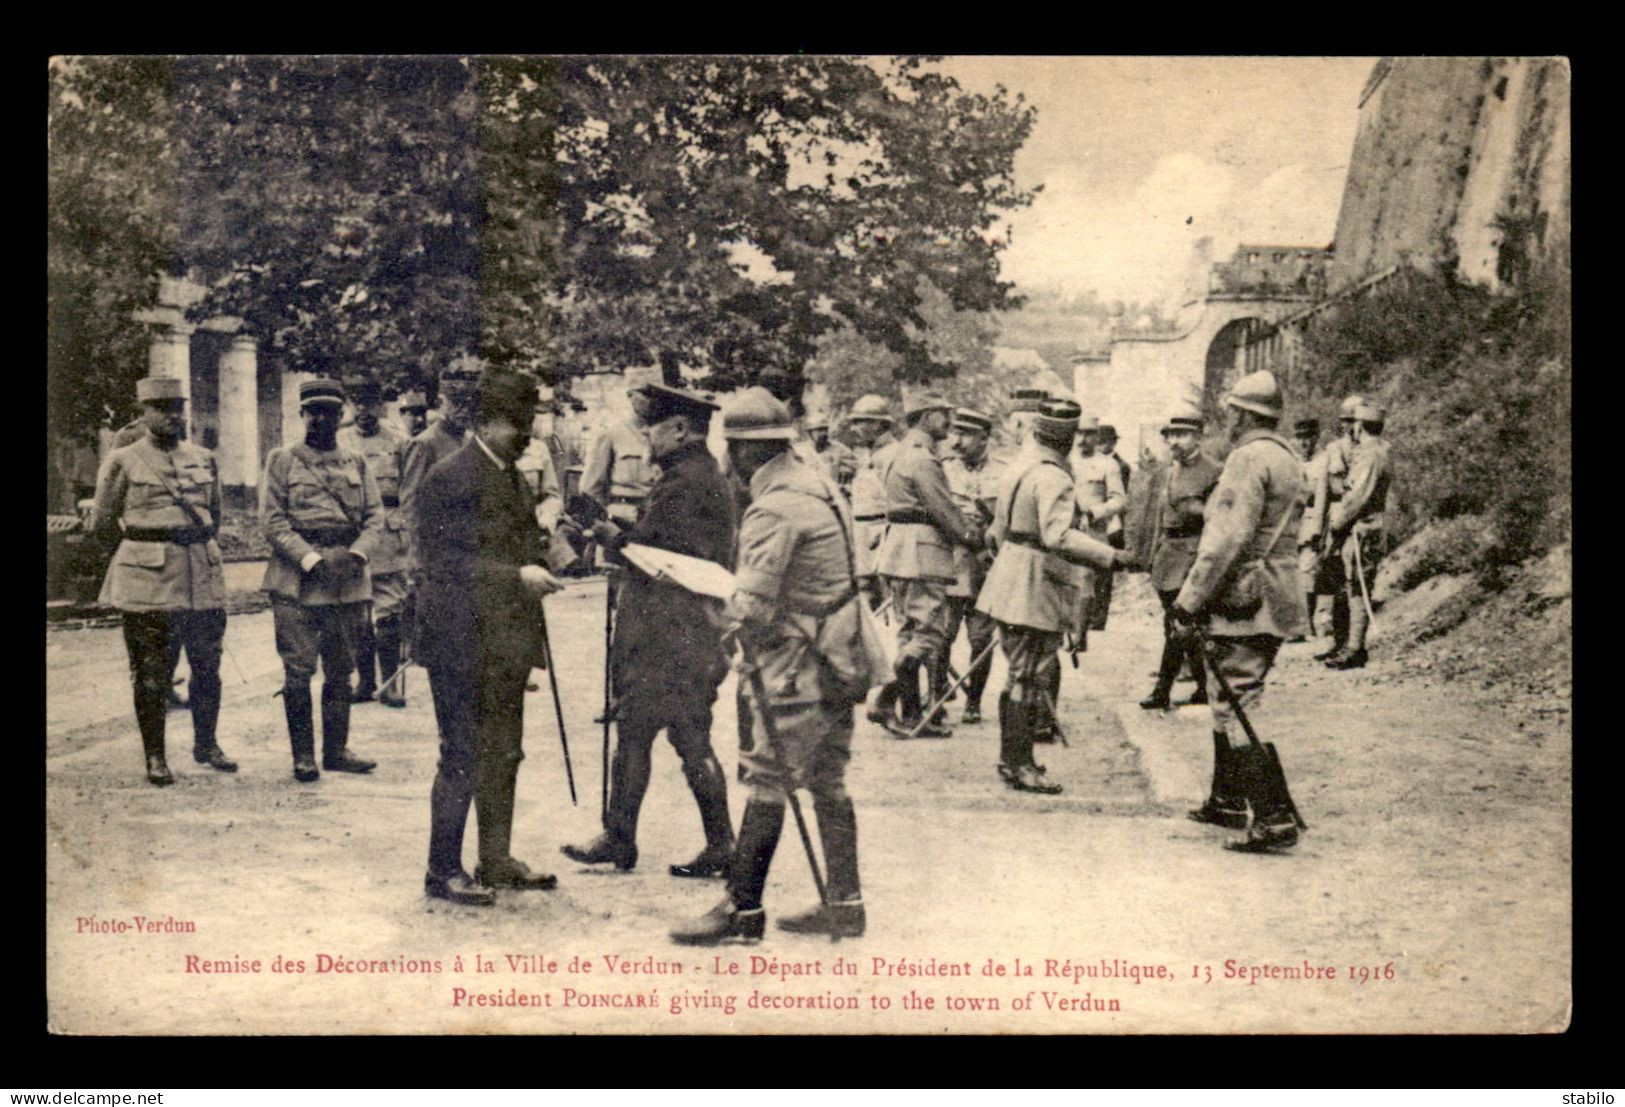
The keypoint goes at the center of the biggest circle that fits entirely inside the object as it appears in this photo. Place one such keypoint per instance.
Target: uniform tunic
(1182, 493)
(923, 525)
(1314, 522)
(794, 574)
(385, 453)
(620, 470)
(1357, 521)
(1100, 492)
(1245, 573)
(975, 491)
(869, 504)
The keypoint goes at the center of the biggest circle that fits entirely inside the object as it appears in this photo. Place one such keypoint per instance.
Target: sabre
(609, 642)
(1359, 571)
(558, 707)
(771, 734)
(925, 717)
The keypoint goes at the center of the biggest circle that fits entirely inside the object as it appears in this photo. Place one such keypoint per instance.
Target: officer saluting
(165, 576)
(923, 525)
(668, 657)
(1244, 586)
(324, 520)
(1032, 588)
(379, 654)
(794, 586)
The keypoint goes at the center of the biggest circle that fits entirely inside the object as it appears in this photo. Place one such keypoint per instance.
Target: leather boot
(1273, 827)
(844, 917)
(739, 917)
(1340, 628)
(885, 704)
(1225, 804)
(150, 707)
(389, 659)
(366, 660)
(152, 744)
(205, 715)
(1008, 758)
(908, 695)
(710, 788)
(493, 807)
(301, 727)
(336, 757)
(1029, 775)
(629, 781)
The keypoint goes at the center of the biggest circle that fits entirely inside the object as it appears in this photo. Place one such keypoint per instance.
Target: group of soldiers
(451, 531)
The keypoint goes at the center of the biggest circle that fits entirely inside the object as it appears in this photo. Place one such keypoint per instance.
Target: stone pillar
(169, 354)
(293, 427)
(239, 449)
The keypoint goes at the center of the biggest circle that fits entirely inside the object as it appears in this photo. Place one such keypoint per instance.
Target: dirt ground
(1433, 884)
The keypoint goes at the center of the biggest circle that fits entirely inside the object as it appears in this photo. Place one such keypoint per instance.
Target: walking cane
(1252, 735)
(558, 707)
(609, 636)
(1359, 571)
(771, 734)
(952, 688)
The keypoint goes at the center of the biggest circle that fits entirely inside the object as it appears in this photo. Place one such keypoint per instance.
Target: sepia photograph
(808, 544)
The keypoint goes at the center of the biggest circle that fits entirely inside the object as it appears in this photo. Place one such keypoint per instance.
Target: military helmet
(755, 414)
(1346, 409)
(874, 407)
(1257, 392)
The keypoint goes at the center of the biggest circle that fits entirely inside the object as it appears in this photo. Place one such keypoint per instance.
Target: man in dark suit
(481, 553)
(668, 654)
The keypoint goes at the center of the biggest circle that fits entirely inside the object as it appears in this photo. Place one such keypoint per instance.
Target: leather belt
(869, 518)
(911, 515)
(1022, 538)
(627, 499)
(329, 536)
(180, 536)
(823, 611)
(1182, 532)
(391, 501)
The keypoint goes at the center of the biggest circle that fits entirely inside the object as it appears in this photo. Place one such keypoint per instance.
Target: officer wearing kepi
(165, 576)
(1183, 489)
(795, 610)
(668, 657)
(378, 655)
(973, 478)
(1356, 527)
(1032, 589)
(923, 525)
(324, 520)
(1243, 589)
(619, 470)
(414, 409)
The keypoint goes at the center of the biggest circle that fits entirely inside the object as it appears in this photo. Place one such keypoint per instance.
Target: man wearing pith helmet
(1241, 600)
(1356, 527)
(165, 576)
(1032, 588)
(795, 610)
(923, 526)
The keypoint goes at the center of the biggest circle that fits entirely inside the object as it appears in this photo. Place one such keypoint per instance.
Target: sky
(1140, 157)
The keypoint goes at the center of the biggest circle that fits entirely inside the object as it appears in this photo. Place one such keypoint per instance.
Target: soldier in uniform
(414, 409)
(378, 653)
(324, 520)
(1306, 432)
(1032, 590)
(973, 480)
(868, 422)
(482, 634)
(795, 579)
(441, 439)
(923, 525)
(668, 655)
(1116, 530)
(837, 457)
(165, 576)
(1332, 479)
(619, 471)
(1356, 527)
(1185, 485)
(136, 431)
(1242, 594)
(1102, 496)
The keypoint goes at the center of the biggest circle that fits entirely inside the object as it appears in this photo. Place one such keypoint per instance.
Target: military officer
(1306, 432)
(839, 461)
(1242, 595)
(794, 581)
(482, 634)
(1186, 483)
(866, 425)
(619, 470)
(1102, 496)
(923, 525)
(324, 520)
(378, 653)
(136, 431)
(1356, 528)
(165, 575)
(973, 480)
(414, 409)
(442, 438)
(541, 474)
(1330, 485)
(668, 656)
(1032, 589)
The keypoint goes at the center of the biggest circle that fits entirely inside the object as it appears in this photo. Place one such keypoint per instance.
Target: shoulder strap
(174, 493)
(305, 456)
(1015, 489)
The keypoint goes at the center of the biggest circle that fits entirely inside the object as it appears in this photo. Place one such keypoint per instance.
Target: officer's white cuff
(309, 561)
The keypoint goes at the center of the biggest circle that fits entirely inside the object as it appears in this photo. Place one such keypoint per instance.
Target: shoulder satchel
(303, 453)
